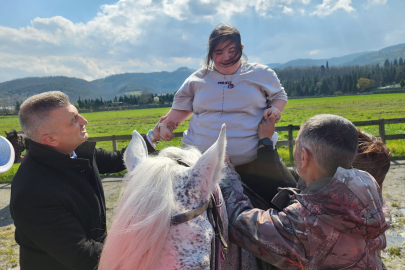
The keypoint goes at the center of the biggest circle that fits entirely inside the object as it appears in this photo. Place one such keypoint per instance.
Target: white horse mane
(143, 216)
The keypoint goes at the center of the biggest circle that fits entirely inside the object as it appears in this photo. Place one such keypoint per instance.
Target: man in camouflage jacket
(337, 222)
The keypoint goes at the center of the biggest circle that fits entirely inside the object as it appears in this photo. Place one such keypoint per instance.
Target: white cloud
(288, 11)
(150, 35)
(381, 2)
(128, 21)
(330, 6)
(128, 29)
(73, 66)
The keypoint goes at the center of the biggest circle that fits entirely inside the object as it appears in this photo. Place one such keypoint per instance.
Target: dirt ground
(393, 193)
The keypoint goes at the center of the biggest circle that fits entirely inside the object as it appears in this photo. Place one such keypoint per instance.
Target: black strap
(255, 199)
(218, 224)
(184, 217)
(219, 227)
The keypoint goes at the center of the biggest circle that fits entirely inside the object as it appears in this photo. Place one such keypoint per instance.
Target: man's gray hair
(34, 112)
(331, 139)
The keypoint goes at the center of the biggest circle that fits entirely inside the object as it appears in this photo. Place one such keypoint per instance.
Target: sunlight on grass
(297, 111)
(8, 176)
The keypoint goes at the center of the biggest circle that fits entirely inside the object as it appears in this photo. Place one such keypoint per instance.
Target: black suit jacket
(58, 206)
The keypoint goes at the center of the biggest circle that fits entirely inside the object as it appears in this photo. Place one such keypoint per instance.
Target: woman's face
(223, 57)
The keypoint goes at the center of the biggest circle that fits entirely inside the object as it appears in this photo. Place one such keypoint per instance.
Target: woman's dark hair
(373, 156)
(224, 33)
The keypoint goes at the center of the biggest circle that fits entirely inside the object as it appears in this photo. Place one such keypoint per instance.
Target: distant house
(4, 106)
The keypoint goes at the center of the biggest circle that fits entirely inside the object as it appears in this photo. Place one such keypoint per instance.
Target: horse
(148, 229)
(20, 143)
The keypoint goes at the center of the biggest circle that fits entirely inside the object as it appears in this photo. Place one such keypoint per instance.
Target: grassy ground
(297, 111)
(8, 248)
(393, 190)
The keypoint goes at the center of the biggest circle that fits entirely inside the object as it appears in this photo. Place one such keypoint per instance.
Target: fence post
(381, 127)
(114, 143)
(290, 139)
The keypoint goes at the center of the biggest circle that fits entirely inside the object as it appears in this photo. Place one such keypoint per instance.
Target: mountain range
(362, 58)
(161, 82)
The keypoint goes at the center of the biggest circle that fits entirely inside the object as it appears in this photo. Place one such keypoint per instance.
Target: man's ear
(305, 156)
(243, 46)
(50, 139)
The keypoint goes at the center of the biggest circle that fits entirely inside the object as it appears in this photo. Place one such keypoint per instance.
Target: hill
(392, 52)
(361, 58)
(162, 82)
(132, 83)
(121, 84)
(335, 61)
(20, 89)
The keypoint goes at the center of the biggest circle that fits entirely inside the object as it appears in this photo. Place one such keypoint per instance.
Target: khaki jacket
(335, 223)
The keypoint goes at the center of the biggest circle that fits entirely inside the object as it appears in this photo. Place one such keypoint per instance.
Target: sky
(94, 39)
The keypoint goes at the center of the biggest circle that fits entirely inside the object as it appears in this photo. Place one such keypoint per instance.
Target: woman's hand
(156, 131)
(272, 113)
(166, 130)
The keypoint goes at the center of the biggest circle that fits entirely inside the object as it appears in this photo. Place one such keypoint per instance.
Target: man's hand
(266, 128)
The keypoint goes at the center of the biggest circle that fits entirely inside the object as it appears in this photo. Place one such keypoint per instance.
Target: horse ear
(208, 169)
(136, 151)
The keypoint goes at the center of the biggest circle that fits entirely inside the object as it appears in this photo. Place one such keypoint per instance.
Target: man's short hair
(331, 139)
(34, 112)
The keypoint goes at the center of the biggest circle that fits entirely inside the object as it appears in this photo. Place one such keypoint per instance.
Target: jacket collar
(51, 157)
(317, 185)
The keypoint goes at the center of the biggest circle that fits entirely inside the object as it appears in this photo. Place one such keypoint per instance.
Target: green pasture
(297, 111)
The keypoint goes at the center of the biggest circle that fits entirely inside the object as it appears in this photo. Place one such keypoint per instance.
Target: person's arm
(113, 161)
(173, 120)
(269, 161)
(53, 228)
(269, 235)
(110, 161)
(275, 95)
(181, 109)
(270, 170)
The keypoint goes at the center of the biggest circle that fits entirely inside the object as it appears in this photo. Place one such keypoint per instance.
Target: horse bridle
(214, 219)
(187, 216)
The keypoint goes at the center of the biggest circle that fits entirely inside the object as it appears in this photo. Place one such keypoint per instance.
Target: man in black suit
(57, 199)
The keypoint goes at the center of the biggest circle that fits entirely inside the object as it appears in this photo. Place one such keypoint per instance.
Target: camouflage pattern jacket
(335, 223)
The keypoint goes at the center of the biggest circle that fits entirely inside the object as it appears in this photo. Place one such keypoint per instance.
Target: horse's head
(18, 141)
(176, 181)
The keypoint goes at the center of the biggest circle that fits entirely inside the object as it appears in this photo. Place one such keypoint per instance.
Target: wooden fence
(290, 128)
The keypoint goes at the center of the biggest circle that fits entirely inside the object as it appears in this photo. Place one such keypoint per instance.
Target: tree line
(144, 99)
(297, 81)
(325, 80)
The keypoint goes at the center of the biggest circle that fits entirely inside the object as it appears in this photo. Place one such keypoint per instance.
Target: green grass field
(297, 111)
